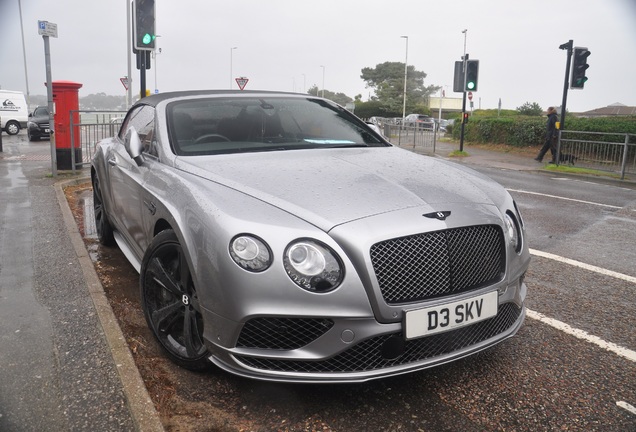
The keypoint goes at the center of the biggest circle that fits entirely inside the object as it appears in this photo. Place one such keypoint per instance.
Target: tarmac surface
(64, 364)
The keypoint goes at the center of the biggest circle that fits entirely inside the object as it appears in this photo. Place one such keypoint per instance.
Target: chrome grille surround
(439, 263)
(366, 355)
(282, 333)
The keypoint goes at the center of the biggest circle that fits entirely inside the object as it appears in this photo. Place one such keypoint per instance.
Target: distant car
(280, 238)
(420, 121)
(38, 124)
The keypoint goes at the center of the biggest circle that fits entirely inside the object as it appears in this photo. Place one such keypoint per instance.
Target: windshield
(234, 125)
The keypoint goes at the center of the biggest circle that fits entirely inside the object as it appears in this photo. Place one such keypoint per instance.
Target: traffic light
(472, 74)
(465, 118)
(579, 67)
(144, 24)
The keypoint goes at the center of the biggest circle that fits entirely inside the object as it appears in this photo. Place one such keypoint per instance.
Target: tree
(339, 98)
(530, 109)
(387, 80)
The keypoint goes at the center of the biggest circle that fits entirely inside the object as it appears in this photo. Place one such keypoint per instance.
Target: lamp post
(154, 55)
(231, 60)
(406, 62)
(323, 81)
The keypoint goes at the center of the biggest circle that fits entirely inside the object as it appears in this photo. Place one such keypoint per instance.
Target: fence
(417, 138)
(611, 152)
(93, 126)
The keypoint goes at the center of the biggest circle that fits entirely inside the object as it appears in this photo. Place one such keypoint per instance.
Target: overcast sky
(283, 44)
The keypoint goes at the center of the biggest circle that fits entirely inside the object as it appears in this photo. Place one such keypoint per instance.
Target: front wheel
(171, 303)
(12, 127)
(102, 224)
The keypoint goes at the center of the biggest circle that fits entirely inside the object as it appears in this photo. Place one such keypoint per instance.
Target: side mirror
(133, 146)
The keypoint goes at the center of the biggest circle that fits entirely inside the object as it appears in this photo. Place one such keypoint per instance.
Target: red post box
(66, 99)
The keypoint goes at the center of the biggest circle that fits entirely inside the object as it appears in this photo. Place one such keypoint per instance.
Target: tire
(102, 224)
(31, 137)
(12, 127)
(170, 302)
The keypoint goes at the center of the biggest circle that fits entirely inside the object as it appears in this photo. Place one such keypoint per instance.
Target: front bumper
(357, 350)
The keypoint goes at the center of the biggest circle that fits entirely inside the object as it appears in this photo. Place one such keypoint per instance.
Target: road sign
(124, 81)
(46, 28)
(242, 82)
(470, 95)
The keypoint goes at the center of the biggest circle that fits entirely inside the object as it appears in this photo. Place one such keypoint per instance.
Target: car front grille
(282, 333)
(435, 264)
(367, 355)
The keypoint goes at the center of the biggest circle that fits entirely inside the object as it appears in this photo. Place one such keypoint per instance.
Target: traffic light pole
(461, 135)
(141, 58)
(566, 46)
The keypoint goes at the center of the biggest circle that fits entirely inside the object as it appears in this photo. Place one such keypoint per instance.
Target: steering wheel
(210, 138)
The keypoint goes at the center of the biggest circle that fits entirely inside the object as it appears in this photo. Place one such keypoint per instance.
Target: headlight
(313, 266)
(250, 253)
(32, 125)
(514, 231)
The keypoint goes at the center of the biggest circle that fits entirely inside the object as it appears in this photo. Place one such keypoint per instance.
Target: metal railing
(609, 152)
(421, 139)
(93, 126)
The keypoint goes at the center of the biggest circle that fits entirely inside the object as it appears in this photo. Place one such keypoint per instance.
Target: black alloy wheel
(170, 302)
(102, 224)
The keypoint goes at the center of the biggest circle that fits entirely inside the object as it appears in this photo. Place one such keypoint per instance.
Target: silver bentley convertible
(279, 237)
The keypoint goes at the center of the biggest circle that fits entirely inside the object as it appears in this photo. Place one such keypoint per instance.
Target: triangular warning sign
(241, 82)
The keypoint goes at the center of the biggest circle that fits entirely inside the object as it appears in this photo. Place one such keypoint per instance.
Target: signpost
(46, 30)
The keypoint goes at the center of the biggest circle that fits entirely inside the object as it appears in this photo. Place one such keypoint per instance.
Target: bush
(524, 131)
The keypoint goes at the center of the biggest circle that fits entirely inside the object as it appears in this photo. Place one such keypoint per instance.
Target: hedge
(520, 131)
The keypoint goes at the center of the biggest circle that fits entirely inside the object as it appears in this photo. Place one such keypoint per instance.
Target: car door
(127, 178)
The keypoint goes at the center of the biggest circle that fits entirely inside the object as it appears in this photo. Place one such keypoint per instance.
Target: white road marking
(584, 266)
(627, 406)
(564, 198)
(578, 333)
(583, 335)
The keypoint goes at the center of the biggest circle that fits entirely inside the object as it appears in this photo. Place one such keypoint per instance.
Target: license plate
(450, 316)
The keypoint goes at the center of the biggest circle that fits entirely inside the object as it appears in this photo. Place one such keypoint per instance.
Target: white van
(14, 112)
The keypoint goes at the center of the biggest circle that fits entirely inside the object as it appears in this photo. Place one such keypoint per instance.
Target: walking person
(551, 135)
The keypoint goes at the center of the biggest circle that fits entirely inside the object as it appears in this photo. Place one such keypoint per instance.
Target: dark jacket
(551, 130)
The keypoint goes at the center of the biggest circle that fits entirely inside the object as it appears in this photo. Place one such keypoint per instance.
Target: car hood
(329, 187)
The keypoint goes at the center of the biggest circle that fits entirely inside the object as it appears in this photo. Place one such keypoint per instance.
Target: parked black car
(38, 124)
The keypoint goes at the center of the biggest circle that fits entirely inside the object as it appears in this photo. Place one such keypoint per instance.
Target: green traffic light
(470, 85)
(147, 39)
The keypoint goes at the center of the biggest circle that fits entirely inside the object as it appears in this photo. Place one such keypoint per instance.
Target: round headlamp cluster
(313, 266)
(309, 264)
(514, 231)
(250, 253)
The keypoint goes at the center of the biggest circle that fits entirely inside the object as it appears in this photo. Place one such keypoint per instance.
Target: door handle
(112, 161)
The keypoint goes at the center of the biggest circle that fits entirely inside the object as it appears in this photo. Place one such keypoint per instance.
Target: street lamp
(231, 73)
(323, 81)
(406, 62)
(154, 55)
